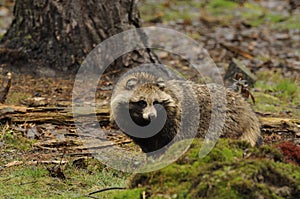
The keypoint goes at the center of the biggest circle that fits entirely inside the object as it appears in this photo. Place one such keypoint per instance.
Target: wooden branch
(18, 163)
(238, 51)
(54, 115)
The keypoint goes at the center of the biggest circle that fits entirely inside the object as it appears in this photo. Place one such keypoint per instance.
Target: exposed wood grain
(54, 115)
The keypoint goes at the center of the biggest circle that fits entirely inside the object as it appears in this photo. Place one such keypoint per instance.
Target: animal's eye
(131, 83)
(142, 103)
(159, 106)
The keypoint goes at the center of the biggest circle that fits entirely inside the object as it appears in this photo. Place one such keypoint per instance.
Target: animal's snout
(152, 116)
(149, 113)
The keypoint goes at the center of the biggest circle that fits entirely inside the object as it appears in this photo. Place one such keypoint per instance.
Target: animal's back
(240, 120)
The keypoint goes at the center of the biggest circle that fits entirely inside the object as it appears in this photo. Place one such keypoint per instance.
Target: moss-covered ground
(233, 169)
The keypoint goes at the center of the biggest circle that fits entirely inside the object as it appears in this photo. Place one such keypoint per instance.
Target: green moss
(223, 173)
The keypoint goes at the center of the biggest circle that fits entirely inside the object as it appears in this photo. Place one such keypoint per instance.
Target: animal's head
(148, 101)
(124, 90)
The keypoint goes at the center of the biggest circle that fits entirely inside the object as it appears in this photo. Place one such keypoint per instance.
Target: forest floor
(45, 157)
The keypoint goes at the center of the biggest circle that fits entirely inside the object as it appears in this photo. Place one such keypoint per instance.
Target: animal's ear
(131, 83)
(160, 83)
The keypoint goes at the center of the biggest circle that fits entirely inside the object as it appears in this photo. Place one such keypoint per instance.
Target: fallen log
(283, 124)
(53, 115)
(64, 115)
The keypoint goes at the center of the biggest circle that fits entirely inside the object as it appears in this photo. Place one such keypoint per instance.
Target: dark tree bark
(59, 34)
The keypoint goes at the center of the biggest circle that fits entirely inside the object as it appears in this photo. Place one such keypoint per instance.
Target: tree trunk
(53, 35)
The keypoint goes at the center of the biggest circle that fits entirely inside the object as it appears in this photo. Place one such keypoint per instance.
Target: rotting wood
(64, 116)
(18, 163)
(287, 124)
(53, 115)
(57, 143)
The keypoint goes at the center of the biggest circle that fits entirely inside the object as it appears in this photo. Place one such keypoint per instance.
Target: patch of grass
(177, 10)
(267, 18)
(256, 15)
(267, 103)
(277, 93)
(184, 10)
(275, 18)
(22, 182)
(14, 141)
(291, 23)
(283, 89)
(253, 14)
(220, 7)
(287, 89)
(12, 145)
(225, 10)
(35, 181)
